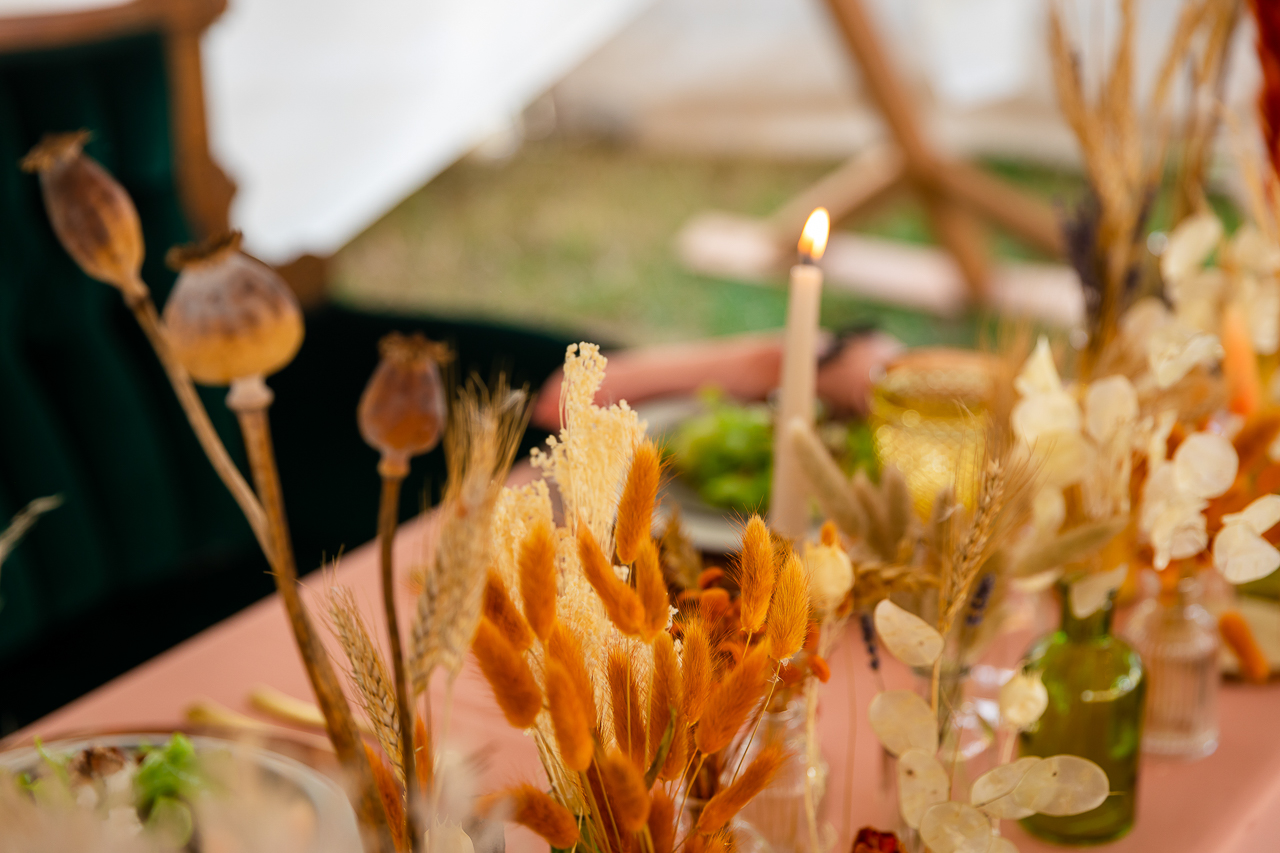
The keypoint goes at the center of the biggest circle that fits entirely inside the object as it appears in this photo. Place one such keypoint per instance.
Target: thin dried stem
(388, 521)
(339, 722)
(144, 310)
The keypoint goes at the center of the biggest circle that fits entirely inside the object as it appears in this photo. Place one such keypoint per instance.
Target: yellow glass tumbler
(929, 415)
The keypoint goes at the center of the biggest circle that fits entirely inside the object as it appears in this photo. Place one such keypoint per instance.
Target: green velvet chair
(148, 548)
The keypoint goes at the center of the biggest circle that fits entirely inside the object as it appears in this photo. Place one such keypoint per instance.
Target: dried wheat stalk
(375, 691)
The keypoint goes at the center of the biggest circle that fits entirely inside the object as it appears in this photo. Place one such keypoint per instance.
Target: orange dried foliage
(714, 605)
(537, 566)
(620, 601)
(569, 718)
(635, 508)
(536, 810)
(662, 821)
(710, 577)
(652, 589)
(756, 571)
(664, 696)
(624, 787)
(508, 674)
(754, 778)
(565, 648)
(789, 613)
(498, 607)
(423, 760)
(829, 535)
(624, 702)
(732, 701)
(820, 668)
(390, 794)
(1268, 481)
(1238, 635)
(696, 671)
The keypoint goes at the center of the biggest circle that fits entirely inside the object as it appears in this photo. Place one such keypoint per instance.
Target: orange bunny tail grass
(635, 509)
(829, 535)
(728, 802)
(695, 670)
(424, 760)
(620, 601)
(569, 718)
(508, 674)
(565, 648)
(652, 589)
(498, 607)
(789, 612)
(624, 702)
(755, 574)
(389, 792)
(1238, 636)
(624, 787)
(732, 701)
(538, 579)
(536, 810)
(664, 695)
(662, 821)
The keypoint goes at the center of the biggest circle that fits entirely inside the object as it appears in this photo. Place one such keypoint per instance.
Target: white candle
(788, 505)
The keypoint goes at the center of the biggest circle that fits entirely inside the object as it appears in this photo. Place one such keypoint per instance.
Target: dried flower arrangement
(640, 718)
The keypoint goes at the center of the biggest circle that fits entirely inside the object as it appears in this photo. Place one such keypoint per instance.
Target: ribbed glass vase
(1097, 688)
(1178, 642)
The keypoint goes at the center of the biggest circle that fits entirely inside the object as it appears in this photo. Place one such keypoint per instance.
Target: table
(1226, 803)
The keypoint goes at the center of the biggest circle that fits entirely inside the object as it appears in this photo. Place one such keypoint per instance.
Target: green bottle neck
(1095, 626)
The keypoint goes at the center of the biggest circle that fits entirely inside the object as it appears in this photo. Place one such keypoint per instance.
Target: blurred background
(508, 175)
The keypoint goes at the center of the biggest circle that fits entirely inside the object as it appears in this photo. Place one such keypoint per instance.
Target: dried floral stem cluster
(232, 321)
(630, 708)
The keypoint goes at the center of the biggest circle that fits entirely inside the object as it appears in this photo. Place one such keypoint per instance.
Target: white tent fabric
(771, 77)
(328, 112)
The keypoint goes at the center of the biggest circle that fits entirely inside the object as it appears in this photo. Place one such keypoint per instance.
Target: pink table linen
(1227, 803)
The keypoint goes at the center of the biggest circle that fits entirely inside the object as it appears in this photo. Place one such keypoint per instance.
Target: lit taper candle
(788, 507)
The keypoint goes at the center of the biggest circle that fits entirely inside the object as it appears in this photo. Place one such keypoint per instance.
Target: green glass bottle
(1096, 689)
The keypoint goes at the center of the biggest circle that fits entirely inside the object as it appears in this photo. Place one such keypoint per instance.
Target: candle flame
(813, 240)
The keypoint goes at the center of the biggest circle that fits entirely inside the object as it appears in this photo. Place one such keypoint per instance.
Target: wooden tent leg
(963, 238)
(858, 184)
(988, 196)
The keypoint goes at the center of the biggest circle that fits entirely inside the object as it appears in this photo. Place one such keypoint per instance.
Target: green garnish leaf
(171, 820)
(173, 772)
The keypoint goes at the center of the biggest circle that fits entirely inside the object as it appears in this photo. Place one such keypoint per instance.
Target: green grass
(578, 238)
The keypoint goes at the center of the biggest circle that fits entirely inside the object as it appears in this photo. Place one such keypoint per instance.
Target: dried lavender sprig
(869, 639)
(981, 597)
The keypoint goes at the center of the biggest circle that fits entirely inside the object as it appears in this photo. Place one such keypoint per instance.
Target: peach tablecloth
(1226, 803)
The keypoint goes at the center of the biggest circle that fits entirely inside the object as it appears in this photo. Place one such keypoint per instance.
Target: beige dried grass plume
(480, 444)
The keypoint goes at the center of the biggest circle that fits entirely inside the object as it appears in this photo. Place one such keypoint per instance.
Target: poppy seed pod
(230, 317)
(91, 214)
(402, 410)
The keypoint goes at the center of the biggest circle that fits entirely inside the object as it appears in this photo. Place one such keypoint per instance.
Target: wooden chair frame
(204, 189)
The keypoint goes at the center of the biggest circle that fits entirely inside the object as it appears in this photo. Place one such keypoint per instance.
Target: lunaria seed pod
(91, 214)
(230, 317)
(402, 411)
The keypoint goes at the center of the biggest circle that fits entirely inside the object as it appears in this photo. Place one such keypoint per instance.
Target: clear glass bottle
(1097, 688)
(778, 813)
(1178, 642)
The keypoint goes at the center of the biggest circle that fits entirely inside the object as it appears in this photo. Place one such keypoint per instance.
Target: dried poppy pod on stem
(90, 212)
(231, 320)
(97, 223)
(401, 415)
(402, 410)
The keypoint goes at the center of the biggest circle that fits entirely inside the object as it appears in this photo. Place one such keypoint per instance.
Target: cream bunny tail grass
(480, 444)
